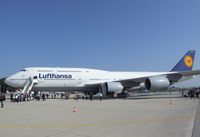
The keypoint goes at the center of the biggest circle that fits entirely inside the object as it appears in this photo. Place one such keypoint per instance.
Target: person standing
(91, 97)
(11, 97)
(100, 96)
(43, 97)
(1, 99)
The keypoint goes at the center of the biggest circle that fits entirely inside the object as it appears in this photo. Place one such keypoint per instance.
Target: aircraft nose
(8, 81)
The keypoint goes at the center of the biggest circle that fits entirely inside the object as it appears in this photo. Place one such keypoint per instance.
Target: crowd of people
(193, 93)
(17, 96)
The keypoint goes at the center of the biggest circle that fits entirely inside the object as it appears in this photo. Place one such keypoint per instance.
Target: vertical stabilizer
(186, 63)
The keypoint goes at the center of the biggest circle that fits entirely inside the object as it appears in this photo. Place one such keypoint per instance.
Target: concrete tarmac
(172, 117)
(196, 131)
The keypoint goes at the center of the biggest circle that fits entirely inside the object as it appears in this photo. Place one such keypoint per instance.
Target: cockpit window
(23, 70)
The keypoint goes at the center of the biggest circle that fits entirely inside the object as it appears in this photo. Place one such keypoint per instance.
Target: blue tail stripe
(186, 63)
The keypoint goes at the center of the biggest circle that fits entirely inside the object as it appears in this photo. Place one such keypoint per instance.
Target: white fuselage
(70, 78)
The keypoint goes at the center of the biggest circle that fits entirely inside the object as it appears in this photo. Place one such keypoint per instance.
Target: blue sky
(131, 35)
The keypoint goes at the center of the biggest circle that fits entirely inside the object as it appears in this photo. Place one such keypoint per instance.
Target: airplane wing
(149, 82)
(180, 72)
(173, 77)
(179, 76)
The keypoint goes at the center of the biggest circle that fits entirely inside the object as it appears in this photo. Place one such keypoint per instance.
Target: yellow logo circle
(188, 61)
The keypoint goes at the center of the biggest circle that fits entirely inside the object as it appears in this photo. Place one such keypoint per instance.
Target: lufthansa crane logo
(188, 61)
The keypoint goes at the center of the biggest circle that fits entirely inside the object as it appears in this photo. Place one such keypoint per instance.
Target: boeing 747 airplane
(94, 81)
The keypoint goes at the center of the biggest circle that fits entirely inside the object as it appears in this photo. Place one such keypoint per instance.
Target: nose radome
(8, 81)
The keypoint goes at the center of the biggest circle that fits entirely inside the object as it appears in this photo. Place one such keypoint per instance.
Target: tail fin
(186, 63)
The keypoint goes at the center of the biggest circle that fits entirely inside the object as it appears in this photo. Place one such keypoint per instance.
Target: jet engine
(157, 83)
(111, 87)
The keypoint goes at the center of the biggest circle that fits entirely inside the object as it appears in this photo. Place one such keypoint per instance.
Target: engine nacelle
(157, 83)
(115, 87)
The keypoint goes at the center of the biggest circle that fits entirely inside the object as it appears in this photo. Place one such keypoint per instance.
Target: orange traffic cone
(74, 109)
(170, 102)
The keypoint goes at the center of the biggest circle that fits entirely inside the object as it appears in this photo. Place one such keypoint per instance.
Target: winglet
(186, 63)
